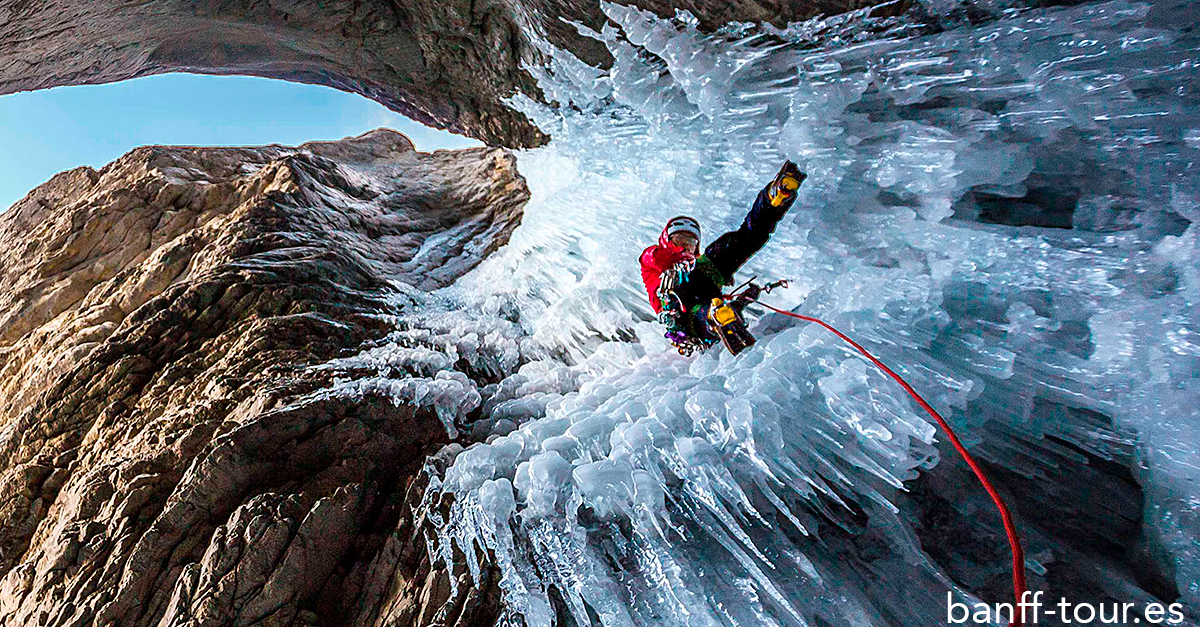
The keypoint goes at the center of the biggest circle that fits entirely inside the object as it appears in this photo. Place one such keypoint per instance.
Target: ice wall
(1004, 213)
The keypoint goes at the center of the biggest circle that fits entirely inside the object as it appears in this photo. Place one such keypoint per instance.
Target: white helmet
(682, 224)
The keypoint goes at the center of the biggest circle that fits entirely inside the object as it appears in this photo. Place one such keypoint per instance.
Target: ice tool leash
(1010, 529)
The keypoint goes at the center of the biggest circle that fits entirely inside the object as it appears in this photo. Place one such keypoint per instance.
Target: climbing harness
(1010, 529)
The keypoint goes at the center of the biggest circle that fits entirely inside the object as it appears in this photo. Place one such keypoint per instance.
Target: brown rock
(446, 63)
(168, 453)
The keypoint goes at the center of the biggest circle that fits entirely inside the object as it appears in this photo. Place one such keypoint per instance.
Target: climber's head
(683, 232)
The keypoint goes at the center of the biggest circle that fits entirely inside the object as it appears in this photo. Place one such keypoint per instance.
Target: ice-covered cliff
(1002, 207)
(227, 372)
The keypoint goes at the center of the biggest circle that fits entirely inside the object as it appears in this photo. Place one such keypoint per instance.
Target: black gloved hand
(783, 188)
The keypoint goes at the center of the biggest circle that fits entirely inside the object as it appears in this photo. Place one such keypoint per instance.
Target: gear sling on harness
(1010, 529)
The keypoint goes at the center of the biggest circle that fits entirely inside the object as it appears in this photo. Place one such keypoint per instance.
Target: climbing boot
(783, 188)
(729, 325)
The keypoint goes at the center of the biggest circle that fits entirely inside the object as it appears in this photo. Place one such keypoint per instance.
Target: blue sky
(47, 131)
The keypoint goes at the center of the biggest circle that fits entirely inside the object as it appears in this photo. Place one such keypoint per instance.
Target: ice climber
(682, 283)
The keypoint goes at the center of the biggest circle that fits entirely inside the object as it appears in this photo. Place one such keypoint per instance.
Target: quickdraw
(670, 279)
(686, 344)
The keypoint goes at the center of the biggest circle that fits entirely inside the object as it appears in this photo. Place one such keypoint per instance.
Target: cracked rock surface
(169, 452)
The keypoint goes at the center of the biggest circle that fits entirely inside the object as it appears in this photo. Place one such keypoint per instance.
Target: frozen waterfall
(1005, 212)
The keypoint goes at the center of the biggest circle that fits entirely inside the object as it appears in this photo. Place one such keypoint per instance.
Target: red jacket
(657, 259)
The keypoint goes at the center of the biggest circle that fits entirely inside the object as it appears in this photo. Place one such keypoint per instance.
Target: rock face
(443, 63)
(169, 454)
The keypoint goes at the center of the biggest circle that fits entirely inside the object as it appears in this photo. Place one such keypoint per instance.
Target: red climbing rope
(1018, 556)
